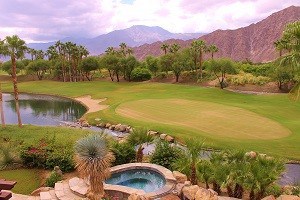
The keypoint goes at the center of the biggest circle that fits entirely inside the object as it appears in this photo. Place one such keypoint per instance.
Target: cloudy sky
(48, 20)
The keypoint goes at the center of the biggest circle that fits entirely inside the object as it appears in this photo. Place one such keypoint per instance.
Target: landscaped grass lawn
(265, 123)
(27, 179)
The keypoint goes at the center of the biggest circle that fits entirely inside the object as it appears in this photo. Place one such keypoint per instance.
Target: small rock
(117, 127)
(97, 119)
(288, 197)
(180, 177)
(58, 171)
(189, 192)
(169, 139)
(112, 127)
(163, 136)
(123, 128)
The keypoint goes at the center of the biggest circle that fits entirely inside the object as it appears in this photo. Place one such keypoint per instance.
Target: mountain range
(254, 42)
(133, 36)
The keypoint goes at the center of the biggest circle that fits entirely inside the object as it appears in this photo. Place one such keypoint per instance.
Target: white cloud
(56, 19)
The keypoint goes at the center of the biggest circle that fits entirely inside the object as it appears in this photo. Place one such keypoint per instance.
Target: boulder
(107, 125)
(178, 189)
(187, 183)
(152, 133)
(123, 128)
(189, 192)
(39, 190)
(112, 127)
(271, 197)
(85, 124)
(137, 197)
(163, 136)
(204, 194)
(288, 197)
(169, 139)
(117, 127)
(101, 125)
(251, 154)
(180, 177)
(170, 197)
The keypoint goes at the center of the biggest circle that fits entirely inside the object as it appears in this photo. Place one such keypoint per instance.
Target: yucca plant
(139, 137)
(93, 160)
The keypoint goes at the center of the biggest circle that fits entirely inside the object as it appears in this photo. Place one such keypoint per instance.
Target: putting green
(211, 118)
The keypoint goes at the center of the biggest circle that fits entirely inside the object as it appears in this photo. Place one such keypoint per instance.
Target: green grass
(27, 180)
(275, 115)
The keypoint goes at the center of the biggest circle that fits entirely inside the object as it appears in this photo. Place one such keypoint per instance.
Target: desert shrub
(123, 152)
(165, 154)
(161, 75)
(274, 190)
(7, 155)
(246, 78)
(141, 74)
(53, 178)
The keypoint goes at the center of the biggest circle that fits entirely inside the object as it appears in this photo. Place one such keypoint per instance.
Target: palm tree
(212, 49)
(174, 48)
(204, 171)
(123, 47)
(14, 47)
(165, 48)
(129, 51)
(110, 50)
(263, 171)
(139, 137)
(200, 47)
(1, 109)
(291, 35)
(188, 163)
(93, 160)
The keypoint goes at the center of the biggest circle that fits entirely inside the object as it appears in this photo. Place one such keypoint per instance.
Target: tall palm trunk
(1, 109)
(200, 64)
(14, 77)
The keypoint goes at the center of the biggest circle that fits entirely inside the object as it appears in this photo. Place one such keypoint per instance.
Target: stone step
(63, 191)
(49, 195)
(24, 197)
(78, 186)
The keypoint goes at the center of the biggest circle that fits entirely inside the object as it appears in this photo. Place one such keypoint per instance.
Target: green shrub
(48, 154)
(7, 155)
(141, 74)
(123, 152)
(62, 158)
(246, 78)
(54, 178)
(32, 156)
(256, 70)
(165, 154)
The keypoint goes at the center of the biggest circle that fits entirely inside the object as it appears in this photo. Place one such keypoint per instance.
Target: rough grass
(27, 180)
(210, 118)
(276, 108)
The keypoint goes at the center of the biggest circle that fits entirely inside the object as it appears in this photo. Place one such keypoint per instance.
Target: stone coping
(167, 174)
(79, 186)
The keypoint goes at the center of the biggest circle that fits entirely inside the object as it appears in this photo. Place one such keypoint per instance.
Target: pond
(41, 109)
